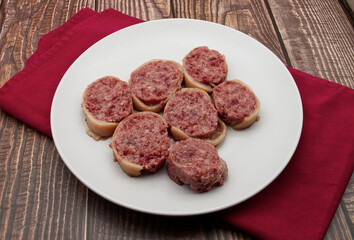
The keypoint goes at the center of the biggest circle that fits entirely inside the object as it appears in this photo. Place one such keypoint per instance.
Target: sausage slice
(140, 143)
(196, 163)
(204, 68)
(154, 82)
(105, 103)
(191, 114)
(236, 104)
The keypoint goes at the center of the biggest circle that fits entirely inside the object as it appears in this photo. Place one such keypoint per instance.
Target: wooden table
(41, 199)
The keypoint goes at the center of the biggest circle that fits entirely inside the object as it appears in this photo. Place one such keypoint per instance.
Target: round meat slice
(106, 102)
(191, 114)
(140, 143)
(154, 82)
(204, 68)
(236, 104)
(196, 163)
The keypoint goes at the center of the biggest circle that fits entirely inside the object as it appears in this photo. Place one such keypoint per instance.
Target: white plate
(255, 156)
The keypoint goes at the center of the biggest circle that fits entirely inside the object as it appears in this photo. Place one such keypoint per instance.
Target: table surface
(41, 199)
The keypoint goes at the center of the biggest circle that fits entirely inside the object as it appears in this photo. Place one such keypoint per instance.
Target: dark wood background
(41, 199)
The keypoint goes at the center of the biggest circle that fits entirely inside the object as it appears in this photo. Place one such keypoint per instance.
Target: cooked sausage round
(153, 82)
(236, 104)
(204, 68)
(106, 102)
(191, 111)
(140, 143)
(196, 163)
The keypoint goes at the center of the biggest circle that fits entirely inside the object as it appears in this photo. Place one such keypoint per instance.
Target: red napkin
(299, 204)
(302, 201)
(28, 95)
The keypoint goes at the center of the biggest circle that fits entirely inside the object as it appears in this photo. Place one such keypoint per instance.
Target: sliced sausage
(153, 82)
(196, 163)
(106, 102)
(140, 143)
(204, 68)
(236, 104)
(191, 114)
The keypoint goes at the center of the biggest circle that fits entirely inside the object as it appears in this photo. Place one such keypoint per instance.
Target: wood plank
(340, 228)
(248, 16)
(39, 197)
(348, 7)
(348, 200)
(145, 10)
(32, 176)
(23, 23)
(110, 221)
(318, 37)
(342, 224)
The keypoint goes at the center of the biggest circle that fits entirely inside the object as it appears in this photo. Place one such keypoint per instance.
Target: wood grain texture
(145, 10)
(348, 7)
(23, 23)
(340, 228)
(318, 37)
(348, 201)
(39, 197)
(248, 16)
(109, 221)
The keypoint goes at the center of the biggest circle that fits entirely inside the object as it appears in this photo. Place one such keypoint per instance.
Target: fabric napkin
(28, 95)
(299, 204)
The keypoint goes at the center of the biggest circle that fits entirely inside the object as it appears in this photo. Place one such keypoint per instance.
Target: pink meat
(196, 163)
(206, 66)
(156, 81)
(143, 139)
(108, 99)
(233, 101)
(193, 113)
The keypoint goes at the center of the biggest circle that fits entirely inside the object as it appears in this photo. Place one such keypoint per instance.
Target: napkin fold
(28, 95)
(299, 204)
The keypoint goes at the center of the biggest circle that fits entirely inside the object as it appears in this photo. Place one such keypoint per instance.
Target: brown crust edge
(140, 105)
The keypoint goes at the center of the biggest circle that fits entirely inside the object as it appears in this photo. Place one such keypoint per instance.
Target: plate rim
(177, 213)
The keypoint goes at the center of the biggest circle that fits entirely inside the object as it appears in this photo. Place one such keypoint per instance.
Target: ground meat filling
(143, 139)
(206, 66)
(156, 81)
(234, 101)
(196, 163)
(108, 99)
(193, 113)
